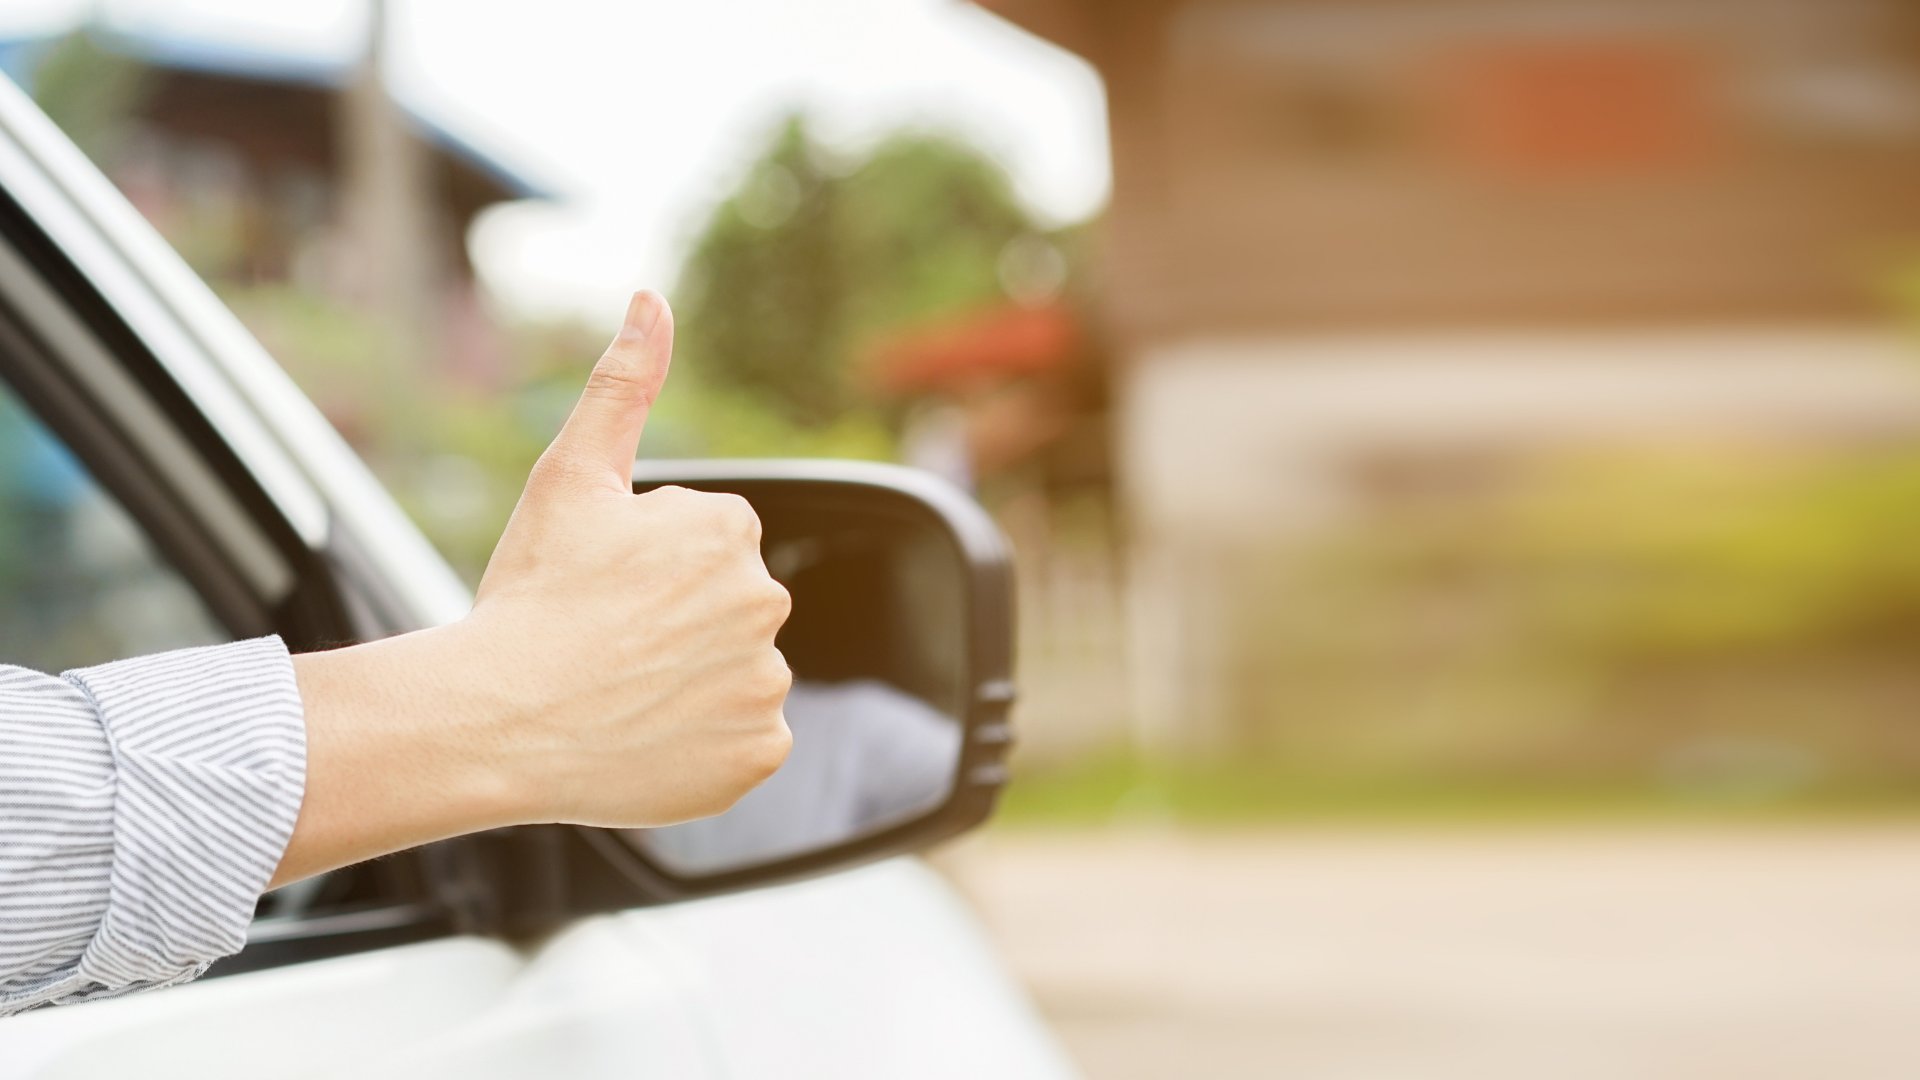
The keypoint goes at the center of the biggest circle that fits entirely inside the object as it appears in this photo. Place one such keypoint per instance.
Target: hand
(633, 634)
(617, 668)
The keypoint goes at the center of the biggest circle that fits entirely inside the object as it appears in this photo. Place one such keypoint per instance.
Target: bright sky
(642, 111)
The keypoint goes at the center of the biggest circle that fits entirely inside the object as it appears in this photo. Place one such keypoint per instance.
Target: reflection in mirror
(875, 643)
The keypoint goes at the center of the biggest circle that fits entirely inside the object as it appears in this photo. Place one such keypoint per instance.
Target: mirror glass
(877, 643)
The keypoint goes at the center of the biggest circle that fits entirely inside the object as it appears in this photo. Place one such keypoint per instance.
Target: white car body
(875, 972)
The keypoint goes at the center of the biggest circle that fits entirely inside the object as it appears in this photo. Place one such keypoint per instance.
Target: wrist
(469, 725)
(408, 742)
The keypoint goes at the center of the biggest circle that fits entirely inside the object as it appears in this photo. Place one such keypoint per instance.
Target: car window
(79, 581)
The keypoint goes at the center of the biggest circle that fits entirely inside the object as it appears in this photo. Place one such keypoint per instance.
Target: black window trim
(43, 373)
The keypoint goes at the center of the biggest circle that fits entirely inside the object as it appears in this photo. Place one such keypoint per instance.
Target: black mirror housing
(903, 590)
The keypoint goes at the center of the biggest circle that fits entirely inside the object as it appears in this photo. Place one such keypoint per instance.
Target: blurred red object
(954, 356)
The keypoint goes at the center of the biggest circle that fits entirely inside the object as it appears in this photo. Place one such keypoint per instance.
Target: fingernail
(643, 312)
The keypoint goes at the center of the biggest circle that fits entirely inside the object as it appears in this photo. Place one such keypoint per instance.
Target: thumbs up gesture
(629, 638)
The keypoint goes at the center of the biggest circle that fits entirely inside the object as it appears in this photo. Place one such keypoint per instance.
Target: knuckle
(726, 517)
(778, 602)
(766, 679)
(620, 376)
(739, 516)
(721, 801)
(728, 511)
(765, 602)
(754, 758)
(663, 499)
(778, 678)
(770, 750)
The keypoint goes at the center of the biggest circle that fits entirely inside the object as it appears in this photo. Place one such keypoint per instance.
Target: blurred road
(1751, 954)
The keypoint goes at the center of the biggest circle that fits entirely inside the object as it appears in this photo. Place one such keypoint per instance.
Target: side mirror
(901, 644)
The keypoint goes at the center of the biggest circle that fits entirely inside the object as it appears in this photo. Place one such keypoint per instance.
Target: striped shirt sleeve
(143, 807)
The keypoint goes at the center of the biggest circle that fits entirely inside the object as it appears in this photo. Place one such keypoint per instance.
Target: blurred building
(1011, 401)
(1021, 383)
(1358, 247)
(269, 167)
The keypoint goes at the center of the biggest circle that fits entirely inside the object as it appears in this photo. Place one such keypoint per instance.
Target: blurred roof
(1066, 23)
(985, 346)
(20, 56)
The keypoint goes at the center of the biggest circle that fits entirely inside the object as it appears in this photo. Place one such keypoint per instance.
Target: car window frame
(91, 381)
(79, 370)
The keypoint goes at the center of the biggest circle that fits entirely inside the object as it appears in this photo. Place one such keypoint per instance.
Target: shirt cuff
(209, 752)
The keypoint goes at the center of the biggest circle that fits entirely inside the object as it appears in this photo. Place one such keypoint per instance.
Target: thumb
(603, 432)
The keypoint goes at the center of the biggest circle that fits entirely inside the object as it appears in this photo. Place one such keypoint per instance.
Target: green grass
(1118, 789)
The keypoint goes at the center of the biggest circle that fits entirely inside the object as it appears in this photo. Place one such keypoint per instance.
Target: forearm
(405, 746)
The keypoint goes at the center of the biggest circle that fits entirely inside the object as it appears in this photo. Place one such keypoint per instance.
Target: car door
(169, 486)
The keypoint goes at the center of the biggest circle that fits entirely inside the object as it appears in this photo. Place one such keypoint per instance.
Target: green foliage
(89, 92)
(1125, 789)
(1728, 620)
(454, 458)
(1696, 555)
(1669, 554)
(698, 419)
(794, 272)
(806, 262)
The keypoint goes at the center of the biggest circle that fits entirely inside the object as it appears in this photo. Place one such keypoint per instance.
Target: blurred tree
(89, 92)
(810, 258)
